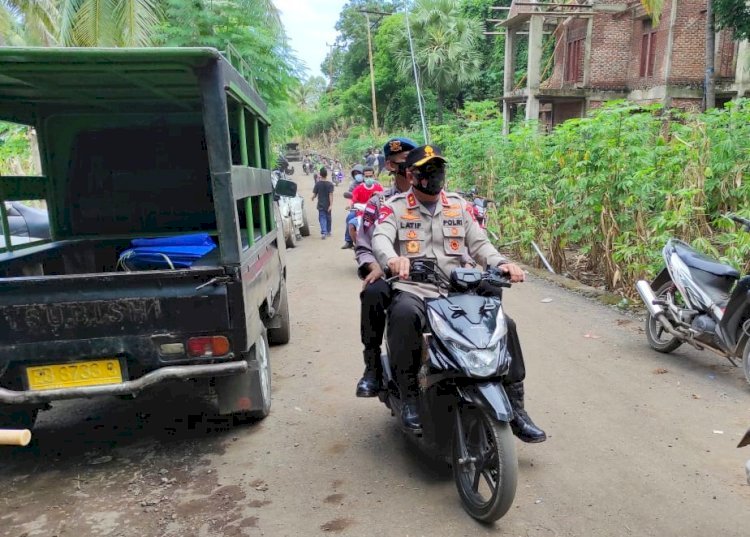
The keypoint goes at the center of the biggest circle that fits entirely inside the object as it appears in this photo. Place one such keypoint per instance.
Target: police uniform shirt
(407, 228)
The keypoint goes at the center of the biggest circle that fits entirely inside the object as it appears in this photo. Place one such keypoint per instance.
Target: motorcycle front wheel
(485, 465)
(659, 339)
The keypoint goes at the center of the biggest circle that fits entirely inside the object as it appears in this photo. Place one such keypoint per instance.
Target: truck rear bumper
(130, 387)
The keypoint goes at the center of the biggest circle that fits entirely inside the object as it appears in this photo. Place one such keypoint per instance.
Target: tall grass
(612, 186)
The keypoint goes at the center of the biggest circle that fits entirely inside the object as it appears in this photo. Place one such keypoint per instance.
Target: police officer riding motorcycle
(428, 223)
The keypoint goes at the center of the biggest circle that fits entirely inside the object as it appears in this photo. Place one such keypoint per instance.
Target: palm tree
(85, 23)
(445, 48)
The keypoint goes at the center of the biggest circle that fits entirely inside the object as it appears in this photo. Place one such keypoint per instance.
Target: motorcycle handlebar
(493, 275)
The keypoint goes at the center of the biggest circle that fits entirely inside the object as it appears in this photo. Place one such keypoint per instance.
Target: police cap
(398, 145)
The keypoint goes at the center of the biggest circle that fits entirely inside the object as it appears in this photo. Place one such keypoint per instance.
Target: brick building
(610, 49)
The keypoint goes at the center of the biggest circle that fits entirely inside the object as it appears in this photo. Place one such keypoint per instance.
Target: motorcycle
(282, 165)
(700, 301)
(745, 441)
(338, 177)
(464, 409)
(307, 167)
(478, 206)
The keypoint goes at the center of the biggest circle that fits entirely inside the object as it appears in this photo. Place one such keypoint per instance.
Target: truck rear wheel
(263, 373)
(281, 333)
(248, 396)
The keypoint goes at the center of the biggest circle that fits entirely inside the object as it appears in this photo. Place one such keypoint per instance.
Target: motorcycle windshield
(473, 317)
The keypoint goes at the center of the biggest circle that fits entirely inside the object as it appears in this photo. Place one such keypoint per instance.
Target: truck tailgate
(81, 307)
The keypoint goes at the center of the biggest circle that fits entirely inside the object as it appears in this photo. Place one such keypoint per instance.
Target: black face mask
(432, 177)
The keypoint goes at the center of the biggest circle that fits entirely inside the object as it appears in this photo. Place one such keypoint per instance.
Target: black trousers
(375, 299)
(407, 320)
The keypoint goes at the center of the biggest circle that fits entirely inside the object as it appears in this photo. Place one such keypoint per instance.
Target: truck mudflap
(130, 387)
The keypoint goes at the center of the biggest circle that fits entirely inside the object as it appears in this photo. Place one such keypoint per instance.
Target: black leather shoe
(369, 384)
(410, 417)
(525, 429)
(347, 245)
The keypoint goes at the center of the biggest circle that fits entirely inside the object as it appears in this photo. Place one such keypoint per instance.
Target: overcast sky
(310, 25)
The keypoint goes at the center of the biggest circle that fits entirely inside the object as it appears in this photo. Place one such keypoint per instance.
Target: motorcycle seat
(697, 260)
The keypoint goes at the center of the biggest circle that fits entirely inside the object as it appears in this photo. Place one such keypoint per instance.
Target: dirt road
(640, 444)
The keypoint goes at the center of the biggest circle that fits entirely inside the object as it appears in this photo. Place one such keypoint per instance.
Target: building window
(574, 61)
(726, 51)
(648, 49)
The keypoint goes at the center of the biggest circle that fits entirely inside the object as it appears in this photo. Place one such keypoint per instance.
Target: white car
(293, 215)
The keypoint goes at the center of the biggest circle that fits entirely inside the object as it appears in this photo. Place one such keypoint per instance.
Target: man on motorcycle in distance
(427, 222)
(376, 293)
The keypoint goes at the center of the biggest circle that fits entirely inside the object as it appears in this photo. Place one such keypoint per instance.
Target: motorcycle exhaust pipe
(648, 297)
(656, 311)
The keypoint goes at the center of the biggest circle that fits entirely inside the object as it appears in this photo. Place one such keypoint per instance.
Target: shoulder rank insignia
(444, 199)
(411, 200)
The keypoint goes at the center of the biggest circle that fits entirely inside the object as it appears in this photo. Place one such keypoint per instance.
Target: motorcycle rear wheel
(655, 331)
(485, 465)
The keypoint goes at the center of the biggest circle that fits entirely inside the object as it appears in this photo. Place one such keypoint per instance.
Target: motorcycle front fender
(489, 396)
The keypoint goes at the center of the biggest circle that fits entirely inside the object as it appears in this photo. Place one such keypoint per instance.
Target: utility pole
(425, 133)
(330, 66)
(372, 75)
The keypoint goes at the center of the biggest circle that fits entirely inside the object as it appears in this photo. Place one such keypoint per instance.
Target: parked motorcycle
(746, 442)
(464, 410)
(283, 166)
(700, 301)
(478, 206)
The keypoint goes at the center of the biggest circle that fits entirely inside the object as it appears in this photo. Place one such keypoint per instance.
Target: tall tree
(253, 27)
(84, 23)
(733, 15)
(445, 47)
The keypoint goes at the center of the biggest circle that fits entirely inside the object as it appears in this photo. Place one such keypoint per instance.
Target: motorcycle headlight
(478, 362)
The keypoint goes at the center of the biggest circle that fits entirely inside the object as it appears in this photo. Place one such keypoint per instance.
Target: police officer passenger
(427, 222)
(376, 293)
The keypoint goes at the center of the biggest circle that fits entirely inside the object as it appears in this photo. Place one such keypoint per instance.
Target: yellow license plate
(74, 374)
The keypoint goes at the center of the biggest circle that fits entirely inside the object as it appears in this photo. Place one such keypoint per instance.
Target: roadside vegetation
(602, 194)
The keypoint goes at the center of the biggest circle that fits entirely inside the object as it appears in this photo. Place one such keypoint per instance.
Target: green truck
(136, 145)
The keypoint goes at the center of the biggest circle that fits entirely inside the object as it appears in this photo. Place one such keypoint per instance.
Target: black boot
(369, 384)
(409, 409)
(410, 415)
(522, 426)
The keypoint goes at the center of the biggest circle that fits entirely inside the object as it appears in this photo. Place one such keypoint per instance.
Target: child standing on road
(323, 190)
